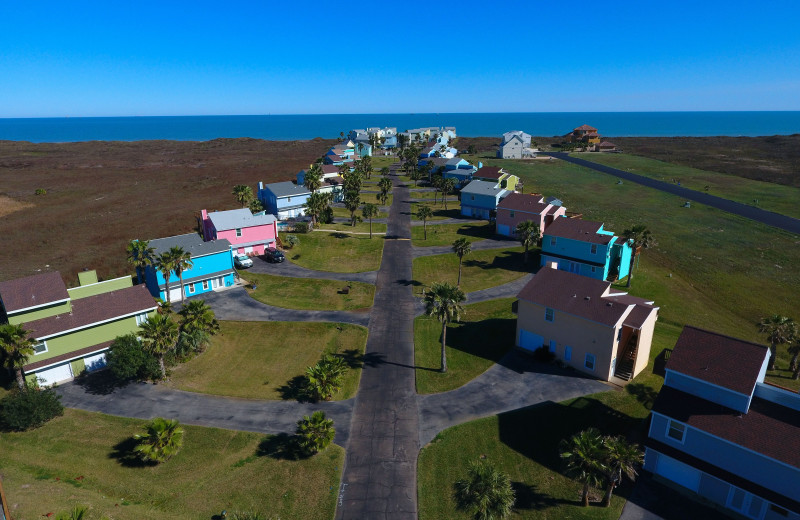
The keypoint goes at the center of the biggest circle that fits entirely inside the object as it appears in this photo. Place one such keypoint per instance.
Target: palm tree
(583, 454)
(315, 433)
(313, 178)
(140, 255)
(159, 337)
(15, 348)
(461, 247)
(182, 261)
(316, 204)
(197, 315)
(76, 513)
(424, 213)
(385, 185)
(443, 301)
(369, 211)
(621, 458)
(779, 330)
(165, 263)
(325, 378)
(486, 492)
(162, 439)
(639, 237)
(255, 206)
(447, 187)
(528, 233)
(243, 194)
(352, 200)
(794, 350)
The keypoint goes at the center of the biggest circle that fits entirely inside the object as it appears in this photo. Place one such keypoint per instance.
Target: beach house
(497, 175)
(516, 208)
(283, 199)
(332, 181)
(248, 234)
(479, 199)
(583, 134)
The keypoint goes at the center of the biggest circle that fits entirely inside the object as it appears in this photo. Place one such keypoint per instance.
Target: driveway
(292, 270)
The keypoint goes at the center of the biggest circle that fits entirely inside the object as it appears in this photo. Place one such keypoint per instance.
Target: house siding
(264, 234)
(100, 288)
(43, 312)
(206, 267)
(504, 218)
(715, 394)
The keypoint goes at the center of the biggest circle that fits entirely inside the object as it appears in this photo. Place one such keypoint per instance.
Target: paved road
(235, 305)
(292, 270)
(743, 210)
(146, 401)
(478, 245)
(380, 471)
(652, 500)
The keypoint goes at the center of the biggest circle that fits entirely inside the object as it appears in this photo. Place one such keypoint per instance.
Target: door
(529, 340)
(678, 472)
(574, 267)
(175, 294)
(54, 375)
(248, 250)
(553, 346)
(95, 362)
(503, 229)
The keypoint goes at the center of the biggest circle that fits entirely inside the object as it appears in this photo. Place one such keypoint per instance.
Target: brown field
(102, 194)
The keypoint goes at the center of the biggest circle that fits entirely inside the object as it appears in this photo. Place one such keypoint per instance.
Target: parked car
(273, 255)
(242, 261)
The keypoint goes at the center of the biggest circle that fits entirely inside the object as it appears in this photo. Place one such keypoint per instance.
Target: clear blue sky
(285, 57)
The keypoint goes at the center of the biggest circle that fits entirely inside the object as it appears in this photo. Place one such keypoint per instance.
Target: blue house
(479, 199)
(212, 267)
(721, 433)
(584, 247)
(283, 199)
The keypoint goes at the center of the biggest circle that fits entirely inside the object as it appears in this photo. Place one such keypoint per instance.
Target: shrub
(290, 241)
(326, 217)
(486, 492)
(301, 227)
(127, 360)
(325, 378)
(40, 191)
(26, 409)
(314, 433)
(162, 439)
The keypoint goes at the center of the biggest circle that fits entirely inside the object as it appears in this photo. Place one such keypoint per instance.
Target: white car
(242, 261)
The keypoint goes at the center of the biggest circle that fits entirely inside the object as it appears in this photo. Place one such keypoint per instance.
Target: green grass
(337, 252)
(360, 227)
(373, 198)
(432, 195)
(446, 234)
(215, 470)
(439, 213)
(258, 360)
(484, 334)
(770, 196)
(343, 213)
(309, 293)
(481, 269)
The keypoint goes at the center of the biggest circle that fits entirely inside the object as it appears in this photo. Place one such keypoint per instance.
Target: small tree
(369, 211)
(290, 241)
(15, 348)
(528, 234)
(316, 204)
(256, 206)
(424, 213)
(794, 366)
(159, 337)
(447, 187)
(639, 237)
(76, 513)
(166, 264)
(352, 200)
(140, 255)
(779, 330)
(163, 438)
(312, 180)
(443, 301)
(181, 261)
(486, 492)
(324, 379)
(621, 458)
(23, 410)
(385, 185)
(315, 433)
(243, 194)
(127, 359)
(461, 247)
(583, 454)
(198, 315)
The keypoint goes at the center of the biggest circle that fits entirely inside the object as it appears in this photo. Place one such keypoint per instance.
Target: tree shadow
(340, 235)
(642, 393)
(529, 499)
(295, 390)
(660, 362)
(406, 283)
(490, 339)
(508, 260)
(281, 447)
(125, 456)
(101, 382)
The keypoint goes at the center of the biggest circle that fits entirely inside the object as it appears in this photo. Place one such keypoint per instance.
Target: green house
(74, 327)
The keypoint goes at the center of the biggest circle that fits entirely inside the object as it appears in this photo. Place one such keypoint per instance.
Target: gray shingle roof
(239, 218)
(482, 188)
(286, 189)
(191, 243)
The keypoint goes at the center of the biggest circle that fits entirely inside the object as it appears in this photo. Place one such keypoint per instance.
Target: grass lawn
(215, 470)
(432, 195)
(379, 162)
(439, 213)
(373, 198)
(309, 293)
(484, 335)
(337, 252)
(481, 269)
(343, 213)
(260, 359)
(360, 227)
(446, 234)
(770, 196)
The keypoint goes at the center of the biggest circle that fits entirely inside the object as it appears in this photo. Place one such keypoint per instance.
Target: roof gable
(239, 218)
(192, 243)
(519, 202)
(578, 229)
(33, 291)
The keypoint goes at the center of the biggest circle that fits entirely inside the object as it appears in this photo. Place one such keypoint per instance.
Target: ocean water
(290, 127)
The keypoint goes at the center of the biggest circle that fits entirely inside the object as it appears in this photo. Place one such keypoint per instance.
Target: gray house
(724, 435)
(511, 148)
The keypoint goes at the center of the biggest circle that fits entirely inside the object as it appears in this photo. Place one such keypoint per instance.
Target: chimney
(260, 185)
(203, 214)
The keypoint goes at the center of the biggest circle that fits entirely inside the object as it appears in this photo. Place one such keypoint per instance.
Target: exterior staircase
(627, 361)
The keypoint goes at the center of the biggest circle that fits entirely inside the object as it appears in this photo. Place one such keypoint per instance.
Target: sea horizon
(287, 127)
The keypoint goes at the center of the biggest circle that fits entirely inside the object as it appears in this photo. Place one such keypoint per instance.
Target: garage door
(95, 362)
(175, 294)
(529, 340)
(678, 472)
(54, 375)
(503, 229)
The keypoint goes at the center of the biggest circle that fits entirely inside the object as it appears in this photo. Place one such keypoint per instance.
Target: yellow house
(585, 134)
(586, 324)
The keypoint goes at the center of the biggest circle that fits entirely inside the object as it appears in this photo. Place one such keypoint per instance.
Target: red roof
(578, 229)
(32, 291)
(591, 134)
(329, 168)
(606, 144)
(489, 172)
(586, 127)
(720, 360)
(527, 203)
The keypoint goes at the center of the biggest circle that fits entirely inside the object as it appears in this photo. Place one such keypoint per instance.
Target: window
(512, 214)
(472, 197)
(676, 430)
(588, 361)
(567, 353)
(594, 269)
(779, 510)
(190, 288)
(238, 232)
(552, 241)
(288, 199)
(205, 285)
(549, 314)
(141, 318)
(594, 249)
(619, 334)
(40, 348)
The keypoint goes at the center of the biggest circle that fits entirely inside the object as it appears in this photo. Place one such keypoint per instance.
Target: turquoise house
(479, 199)
(212, 267)
(584, 247)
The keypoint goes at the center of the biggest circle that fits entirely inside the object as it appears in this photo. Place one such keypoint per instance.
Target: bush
(326, 217)
(301, 227)
(127, 360)
(26, 409)
(290, 241)
(40, 191)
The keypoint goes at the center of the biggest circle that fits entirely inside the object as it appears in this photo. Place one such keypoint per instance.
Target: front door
(574, 267)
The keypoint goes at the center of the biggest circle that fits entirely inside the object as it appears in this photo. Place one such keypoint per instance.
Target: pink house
(248, 234)
(517, 207)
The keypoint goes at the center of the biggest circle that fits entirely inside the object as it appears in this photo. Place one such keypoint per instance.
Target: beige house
(587, 325)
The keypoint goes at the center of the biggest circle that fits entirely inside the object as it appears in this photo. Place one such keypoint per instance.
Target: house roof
(191, 243)
(578, 295)
(334, 157)
(578, 229)
(93, 309)
(333, 181)
(721, 360)
(329, 168)
(507, 140)
(239, 218)
(455, 161)
(482, 188)
(490, 172)
(587, 127)
(527, 203)
(31, 291)
(69, 355)
(767, 428)
(286, 189)
(592, 134)
(439, 161)
(606, 144)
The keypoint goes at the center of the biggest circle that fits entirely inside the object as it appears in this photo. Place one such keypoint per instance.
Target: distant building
(511, 148)
(583, 134)
(283, 199)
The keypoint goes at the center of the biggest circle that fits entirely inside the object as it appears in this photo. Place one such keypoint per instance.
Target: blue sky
(180, 58)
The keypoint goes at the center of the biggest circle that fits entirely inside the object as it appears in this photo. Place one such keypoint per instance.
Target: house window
(288, 199)
(141, 318)
(205, 285)
(472, 197)
(40, 348)
(594, 249)
(552, 241)
(512, 214)
(779, 510)
(588, 361)
(190, 288)
(676, 430)
(594, 269)
(548, 314)
(567, 353)
(238, 232)
(619, 335)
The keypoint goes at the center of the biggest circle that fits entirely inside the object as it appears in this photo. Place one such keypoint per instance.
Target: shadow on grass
(123, 453)
(642, 393)
(295, 390)
(280, 447)
(102, 382)
(508, 260)
(490, 338)
(528, 498)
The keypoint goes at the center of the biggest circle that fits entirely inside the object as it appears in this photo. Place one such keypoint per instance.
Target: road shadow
(125, 456)
(101, 382)
(406, 283)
